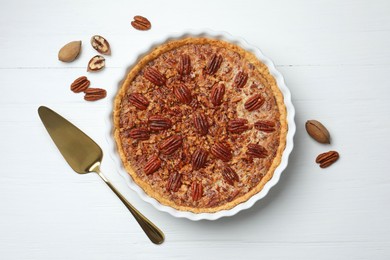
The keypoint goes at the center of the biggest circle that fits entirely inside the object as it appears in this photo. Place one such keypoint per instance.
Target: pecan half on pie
(200, 124)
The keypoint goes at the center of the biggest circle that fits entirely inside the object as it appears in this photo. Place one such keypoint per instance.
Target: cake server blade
(85, 156)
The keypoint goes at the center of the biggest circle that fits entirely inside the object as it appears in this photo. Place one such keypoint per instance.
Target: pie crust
(169, 116)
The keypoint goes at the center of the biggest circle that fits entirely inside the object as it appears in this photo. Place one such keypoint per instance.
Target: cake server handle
(153, 232)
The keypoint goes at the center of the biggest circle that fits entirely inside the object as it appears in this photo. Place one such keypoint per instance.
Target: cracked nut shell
(100, 44)
(97, 63)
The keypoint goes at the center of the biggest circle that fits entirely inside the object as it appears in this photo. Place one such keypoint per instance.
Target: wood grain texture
(335, 58)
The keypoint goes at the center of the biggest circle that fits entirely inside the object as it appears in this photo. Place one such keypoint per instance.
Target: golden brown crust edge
(246, 55)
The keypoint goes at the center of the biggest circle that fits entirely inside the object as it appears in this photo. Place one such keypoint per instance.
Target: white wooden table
(335, 57)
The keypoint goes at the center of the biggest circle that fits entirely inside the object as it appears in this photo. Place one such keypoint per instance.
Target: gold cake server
(85, 156)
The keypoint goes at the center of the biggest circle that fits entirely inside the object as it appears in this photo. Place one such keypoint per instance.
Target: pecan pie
(200, 124)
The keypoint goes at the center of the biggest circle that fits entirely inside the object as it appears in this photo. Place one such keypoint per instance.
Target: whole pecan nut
(140, 133)
(196, 191)
(318, 131)
(230, 175)
(184, 67)
(214, 64)
(240, 79)
(217, 93)
(80, 84)
(265, 126)
(154, 76)
(93, 94)
(152, 165)
(221, 151)
(199, 158)
(100, 44)
(158, 123)
(201, 124)
(327, 159)
(171, 144)
(139, 101)
(141, 23)
(238, 125)
(174, 182)
(70, 51)
(257, 151)
(254, 102)
(96, 63)
(182, 93)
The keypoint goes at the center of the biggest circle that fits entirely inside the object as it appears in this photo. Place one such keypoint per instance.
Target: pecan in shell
(318, 131)
(96, 63)
(100, 44)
